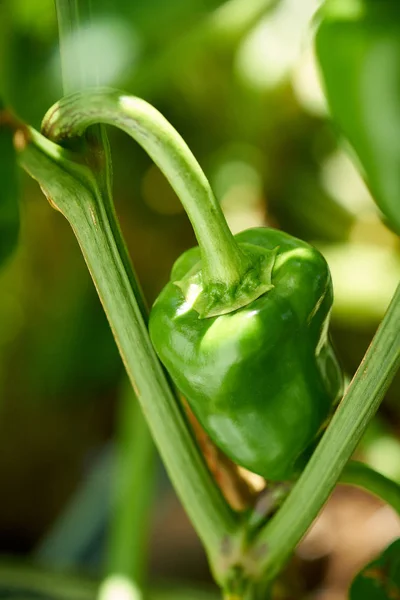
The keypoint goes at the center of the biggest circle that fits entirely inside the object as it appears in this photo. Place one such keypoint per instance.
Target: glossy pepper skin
(262, 380)
(358, 50)
(9, 211)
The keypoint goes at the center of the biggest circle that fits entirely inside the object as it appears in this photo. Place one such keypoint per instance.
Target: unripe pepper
(262, 379)
(9, 211)
(242, 327)
(358, 49)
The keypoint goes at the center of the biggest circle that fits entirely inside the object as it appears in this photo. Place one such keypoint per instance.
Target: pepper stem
(230, 277)
(223, 261)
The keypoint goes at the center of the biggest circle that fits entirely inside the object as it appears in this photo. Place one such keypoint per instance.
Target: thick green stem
(361, 475)
(72, 190)
(280, 536)
(223, 261)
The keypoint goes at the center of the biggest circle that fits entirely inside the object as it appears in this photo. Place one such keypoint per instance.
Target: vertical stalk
(135, 449)
(71, 188)
(133, 481)
(74, 18)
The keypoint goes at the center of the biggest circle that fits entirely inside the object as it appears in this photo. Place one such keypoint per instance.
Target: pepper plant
(242, 328)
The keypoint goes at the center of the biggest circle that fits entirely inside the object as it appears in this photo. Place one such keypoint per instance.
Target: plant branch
(363, 476)
(279, 537)
(72, 189)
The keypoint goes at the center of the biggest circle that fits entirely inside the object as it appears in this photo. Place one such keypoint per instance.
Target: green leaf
(9, 212)
(380, 579)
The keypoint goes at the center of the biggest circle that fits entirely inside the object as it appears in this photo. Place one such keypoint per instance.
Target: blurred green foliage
(9, 211)
(380, 579)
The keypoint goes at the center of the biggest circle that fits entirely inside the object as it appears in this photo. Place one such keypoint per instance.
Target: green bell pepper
(261, 380)
(242, 327)
(358, 49)
(9, 212)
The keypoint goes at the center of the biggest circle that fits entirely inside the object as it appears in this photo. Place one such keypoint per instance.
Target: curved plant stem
(363, 476)
(71, 188)
(223, 261)
(278, 538)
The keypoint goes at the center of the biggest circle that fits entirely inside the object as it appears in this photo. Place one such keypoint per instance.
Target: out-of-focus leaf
(146, 17)
(380, 579)
(25, 582)
(9, 213)
(365, 277)
(183, 594)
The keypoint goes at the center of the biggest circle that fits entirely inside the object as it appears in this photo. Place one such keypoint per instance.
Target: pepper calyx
(216, 298)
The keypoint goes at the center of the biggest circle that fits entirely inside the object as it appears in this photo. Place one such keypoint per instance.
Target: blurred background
(238, 80)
